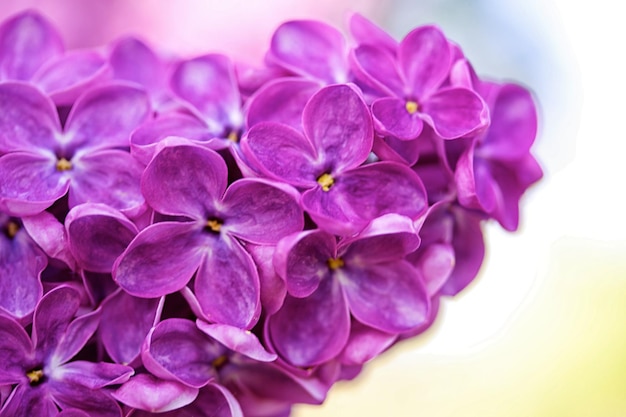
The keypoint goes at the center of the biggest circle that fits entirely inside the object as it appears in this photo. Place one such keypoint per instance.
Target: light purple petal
(389, 297)
(21, 263)
(50, 235)
(310, 48)
(282, 153)
(28, 402)
(75, 337)
(97, 235)
(125, 323)
(160, 260)
(146, 392)
(15, 351)
(185, 180)
(92, 375)
(52, 317)
(31, 183)
(456, 112)
(28, 119)
(66, 77)
(302, 260)
(105, 117)
(110, 177)
(365, 344)
(310, 331)
(377, 69)
(227, 284)
(392, 118)
(273, 288)
(425, 59)
(281, 101)
(261, 212)
(209, 83)
(27, 41)
(133, 60)
(237, 340)
(435, 263)
(338, 124)
(177, 349)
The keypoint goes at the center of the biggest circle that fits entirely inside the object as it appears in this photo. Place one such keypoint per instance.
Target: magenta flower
(42, 161)
(327, 281)
(187, 180)
(413, 91)
(341, 195)
(40, 366)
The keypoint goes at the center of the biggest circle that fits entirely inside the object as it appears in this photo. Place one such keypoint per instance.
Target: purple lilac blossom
(152, 264)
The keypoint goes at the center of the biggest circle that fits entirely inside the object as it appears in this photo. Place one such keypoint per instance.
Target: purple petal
(75, 337)
(52, 317)
(66, 77)
(312, 330)
(110, 177)
(176, 349)
(425, 59)
(365, 344)
(97, 235)
(28, 402)
(302, 260)
(160, 260)
(125, 323)
(106, 116)
(27, 119)
(273, 288)
(27, 41)
(392, 118)
(365, 31)
(185, 180)
(227, 284)
(456, 112)
(387, 238)
(31, 183)
(144, 141)
(15, 351)
(209, 83)
(133, 60)
(377, 69)
(281, 101)
(310, 48)
(146, 392)
(96, 403)
(389, 297)
(435, 263)
(72, 412)
(513, 125)
(50, 235)
(93, 375)
(402, 151)
(339, 125)
(237, 340)
(282, 153)
(261, 212)
(21, 263)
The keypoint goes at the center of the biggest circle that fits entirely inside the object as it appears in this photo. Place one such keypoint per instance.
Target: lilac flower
(327, 281)
(40, 366)
(341, 195)
(21, 263)
(187, 180)
(42, 161)
(411, 85)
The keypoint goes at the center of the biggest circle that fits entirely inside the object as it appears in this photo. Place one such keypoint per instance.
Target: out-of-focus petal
(365, 344)
(455, 112)
(377, 69)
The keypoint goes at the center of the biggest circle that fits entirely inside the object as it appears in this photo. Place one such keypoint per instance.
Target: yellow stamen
(63, 165)
(233, 137)
(326, 181)
(214, 225)
(219, 362)
(411, 106)
(35, 375)
(335, 263)
(11, 229)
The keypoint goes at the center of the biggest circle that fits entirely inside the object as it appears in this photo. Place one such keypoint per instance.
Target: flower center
(335, 263)
(219, 362)
(326, 181)
(233, 136)
(411, 106)
(35, 377)
(213, 225)
(11, 229)
(63, 165)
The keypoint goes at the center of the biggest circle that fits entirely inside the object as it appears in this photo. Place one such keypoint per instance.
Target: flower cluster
(198, 237)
